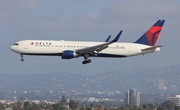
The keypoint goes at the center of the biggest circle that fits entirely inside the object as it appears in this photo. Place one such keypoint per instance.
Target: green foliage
(148, 106)
(73, 105)
(86, 108)
(62, 105)
(16, 105)
(35, 107)
(1, 106)
(121, 108)
(57, 106)
(132, 109)
(168, 105)
(161, 108)
(63, 101)
(27, 105)
(44, 105)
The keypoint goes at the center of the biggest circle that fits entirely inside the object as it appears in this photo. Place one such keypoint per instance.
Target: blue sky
(86, 21)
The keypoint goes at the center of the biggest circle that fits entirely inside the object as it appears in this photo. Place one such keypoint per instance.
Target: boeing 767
(110, 49)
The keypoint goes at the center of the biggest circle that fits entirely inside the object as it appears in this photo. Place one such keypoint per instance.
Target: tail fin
(151, 36)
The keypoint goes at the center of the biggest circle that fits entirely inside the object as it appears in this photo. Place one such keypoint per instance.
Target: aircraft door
(26, 45)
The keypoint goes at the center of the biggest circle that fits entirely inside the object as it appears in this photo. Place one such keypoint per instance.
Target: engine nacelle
(68, 54)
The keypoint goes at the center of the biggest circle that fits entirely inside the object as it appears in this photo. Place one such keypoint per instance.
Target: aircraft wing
(97, 48)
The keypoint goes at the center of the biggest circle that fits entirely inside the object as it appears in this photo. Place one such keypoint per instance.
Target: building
(126, 101)
(132, 98)
(175, 99)
(138, 99)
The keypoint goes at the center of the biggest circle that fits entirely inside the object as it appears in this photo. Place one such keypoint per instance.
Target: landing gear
(22, 59)
(86, 60)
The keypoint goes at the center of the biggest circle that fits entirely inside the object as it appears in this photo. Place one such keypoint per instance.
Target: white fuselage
(56, 48)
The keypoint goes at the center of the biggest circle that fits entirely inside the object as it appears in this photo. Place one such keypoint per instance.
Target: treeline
(63, 104)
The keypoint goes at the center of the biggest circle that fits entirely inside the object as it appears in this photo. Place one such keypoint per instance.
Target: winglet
(107, 40)
(117, 37)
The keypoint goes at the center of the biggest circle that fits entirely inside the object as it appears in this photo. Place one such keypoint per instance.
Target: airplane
(74, 49)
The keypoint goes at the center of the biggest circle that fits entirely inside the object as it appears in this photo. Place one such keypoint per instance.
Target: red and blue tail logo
(151, 36)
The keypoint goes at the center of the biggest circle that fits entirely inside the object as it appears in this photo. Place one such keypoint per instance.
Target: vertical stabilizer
(151, 36)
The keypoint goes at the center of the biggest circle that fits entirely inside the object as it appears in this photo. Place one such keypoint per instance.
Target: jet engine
(68, 54)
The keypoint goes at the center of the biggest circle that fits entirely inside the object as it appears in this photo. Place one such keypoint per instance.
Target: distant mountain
(146, 80)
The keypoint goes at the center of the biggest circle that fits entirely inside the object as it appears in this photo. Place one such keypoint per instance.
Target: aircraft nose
(12, 48)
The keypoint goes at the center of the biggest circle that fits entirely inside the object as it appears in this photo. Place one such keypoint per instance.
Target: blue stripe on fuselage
(109, 55)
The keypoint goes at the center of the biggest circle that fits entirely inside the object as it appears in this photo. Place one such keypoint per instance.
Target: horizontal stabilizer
(152, 48)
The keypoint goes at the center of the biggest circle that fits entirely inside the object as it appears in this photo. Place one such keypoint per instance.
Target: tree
(57, 106)
(133, 108)
(49, 107)
(160, 108)
(35, 107)
(121, 108)
(27, 105)
(63, 101)
(44, 105)
(1, 106)
(17, 105)
(168, 105)
(73, 105)
(148, 106)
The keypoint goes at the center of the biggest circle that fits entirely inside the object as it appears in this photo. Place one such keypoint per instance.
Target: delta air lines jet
(110, 49)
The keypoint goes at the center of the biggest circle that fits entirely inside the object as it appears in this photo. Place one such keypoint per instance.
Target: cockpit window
(16, 44)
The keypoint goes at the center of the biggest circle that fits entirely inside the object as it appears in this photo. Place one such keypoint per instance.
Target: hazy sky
(83, 20)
